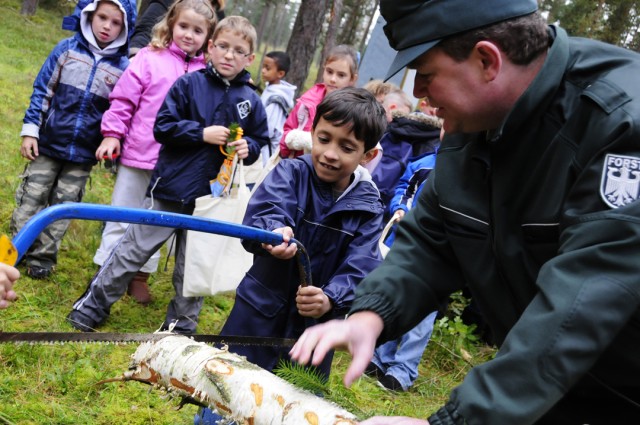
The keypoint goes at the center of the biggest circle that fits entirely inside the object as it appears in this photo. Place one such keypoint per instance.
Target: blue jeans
(206, 416)
(400, 357)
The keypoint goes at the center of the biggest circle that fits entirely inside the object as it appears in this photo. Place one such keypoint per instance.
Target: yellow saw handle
(8, 252)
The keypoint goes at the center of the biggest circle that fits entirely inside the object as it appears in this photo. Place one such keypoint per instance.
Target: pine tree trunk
(304, 40)
(264, 18)
(228, 383)
(281, 30)
(350, 26)
(367, 29)
(330, 37)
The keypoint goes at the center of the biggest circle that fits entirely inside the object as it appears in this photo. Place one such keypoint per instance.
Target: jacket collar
(173, 48)
(362, 193)
(536, 99)
(243, 78)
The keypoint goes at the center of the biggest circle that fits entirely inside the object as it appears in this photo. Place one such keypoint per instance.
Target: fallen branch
(235, 388)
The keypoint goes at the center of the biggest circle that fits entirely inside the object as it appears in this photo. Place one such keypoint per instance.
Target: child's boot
(139, 289)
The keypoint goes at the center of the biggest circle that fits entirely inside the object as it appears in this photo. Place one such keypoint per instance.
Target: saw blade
(127, 338)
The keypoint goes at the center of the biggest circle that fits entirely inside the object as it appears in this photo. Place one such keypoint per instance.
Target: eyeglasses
(224, 48)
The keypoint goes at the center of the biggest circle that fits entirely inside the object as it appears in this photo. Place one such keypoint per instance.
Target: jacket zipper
(498, 258)
(187, 59)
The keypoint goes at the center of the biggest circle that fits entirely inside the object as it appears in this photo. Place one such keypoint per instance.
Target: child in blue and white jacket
(61, 129)
(395, 363)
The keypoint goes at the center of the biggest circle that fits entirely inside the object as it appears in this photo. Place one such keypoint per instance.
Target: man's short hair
(522, 39)
(356, 108)
(281, 59)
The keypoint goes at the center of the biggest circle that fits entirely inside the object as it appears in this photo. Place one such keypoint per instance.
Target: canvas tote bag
(216, 263)
(273, 160)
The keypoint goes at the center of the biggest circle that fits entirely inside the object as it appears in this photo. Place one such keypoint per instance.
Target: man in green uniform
(533, 204)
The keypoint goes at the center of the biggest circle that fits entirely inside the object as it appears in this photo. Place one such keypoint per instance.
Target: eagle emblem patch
(244, 109)
(620, 184)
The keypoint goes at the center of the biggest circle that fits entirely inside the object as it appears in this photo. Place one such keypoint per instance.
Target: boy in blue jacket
(192, 125)
(61, 127)
(328, 202)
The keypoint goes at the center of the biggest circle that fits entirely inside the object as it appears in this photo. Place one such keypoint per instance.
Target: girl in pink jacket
(340, 70)
(127, 126)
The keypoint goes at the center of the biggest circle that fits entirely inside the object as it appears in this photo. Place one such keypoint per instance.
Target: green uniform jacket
(542, 220)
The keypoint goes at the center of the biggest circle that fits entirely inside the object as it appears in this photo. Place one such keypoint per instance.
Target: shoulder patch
(244, 109)
(620, 183)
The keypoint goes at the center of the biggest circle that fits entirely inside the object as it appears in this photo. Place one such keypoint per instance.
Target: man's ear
(281, 74)
(490, 58)
(369, 155)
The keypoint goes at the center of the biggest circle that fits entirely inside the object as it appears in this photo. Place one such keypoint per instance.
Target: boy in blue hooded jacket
(328, 202)
(61, 129)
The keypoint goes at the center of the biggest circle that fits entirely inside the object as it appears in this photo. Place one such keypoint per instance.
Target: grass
(57, 384)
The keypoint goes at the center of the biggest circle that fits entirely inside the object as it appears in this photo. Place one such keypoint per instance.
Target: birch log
(237, 389)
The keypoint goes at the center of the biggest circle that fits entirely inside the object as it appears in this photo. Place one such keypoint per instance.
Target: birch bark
(228, 383)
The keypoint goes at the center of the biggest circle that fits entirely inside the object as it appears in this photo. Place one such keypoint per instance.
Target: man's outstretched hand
(357, 335)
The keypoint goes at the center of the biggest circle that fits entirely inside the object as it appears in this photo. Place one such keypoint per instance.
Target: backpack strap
(280, 101)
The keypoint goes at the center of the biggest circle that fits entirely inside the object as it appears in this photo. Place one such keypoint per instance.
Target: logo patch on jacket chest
(620, 184)
(244, 109)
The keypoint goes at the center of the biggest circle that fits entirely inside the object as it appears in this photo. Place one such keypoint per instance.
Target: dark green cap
(415, 26)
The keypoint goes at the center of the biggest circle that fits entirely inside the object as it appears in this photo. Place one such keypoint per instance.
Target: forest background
(44, 384)
(308, 29)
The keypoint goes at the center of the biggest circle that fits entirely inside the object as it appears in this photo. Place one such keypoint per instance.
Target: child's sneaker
(373, 371)
(37, 272)
(390, 383)
(81, 321)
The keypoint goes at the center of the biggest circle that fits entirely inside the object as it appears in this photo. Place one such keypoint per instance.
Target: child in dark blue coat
(328, 202)
(191, 125)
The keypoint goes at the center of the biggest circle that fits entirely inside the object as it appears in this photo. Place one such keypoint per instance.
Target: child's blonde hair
(343, 51)
(240, 26)
(163, 30)
(398, 98)
(379, 88)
